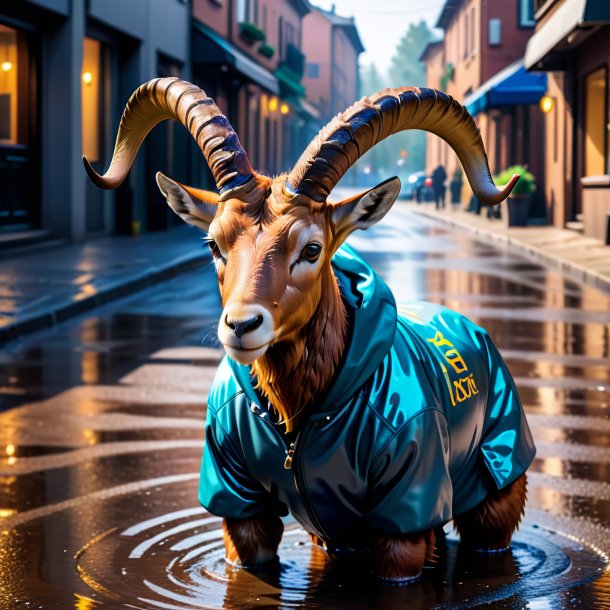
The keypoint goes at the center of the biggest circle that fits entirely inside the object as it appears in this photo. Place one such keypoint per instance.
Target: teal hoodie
(422, 420)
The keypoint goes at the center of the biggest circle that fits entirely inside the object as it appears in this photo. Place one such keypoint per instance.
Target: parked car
(418, 187)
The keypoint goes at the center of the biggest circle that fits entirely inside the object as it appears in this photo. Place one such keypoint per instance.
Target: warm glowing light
(6, 66)
(7, 512)
(546, 103)
(87, 78)
(284, 108)
(10, 450)
(273, 104)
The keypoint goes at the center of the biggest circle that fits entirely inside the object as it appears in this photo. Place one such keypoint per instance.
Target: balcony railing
(294, 60)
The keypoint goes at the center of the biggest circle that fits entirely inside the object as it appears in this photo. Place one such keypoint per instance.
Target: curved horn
(172, 98)
(351, 133)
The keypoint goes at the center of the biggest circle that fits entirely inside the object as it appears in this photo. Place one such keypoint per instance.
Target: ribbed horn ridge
(172, 98)
(352, 133)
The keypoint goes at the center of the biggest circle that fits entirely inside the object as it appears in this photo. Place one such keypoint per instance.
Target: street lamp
(87, 78)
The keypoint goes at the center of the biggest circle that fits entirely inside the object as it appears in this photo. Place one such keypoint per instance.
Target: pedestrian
(439, 176)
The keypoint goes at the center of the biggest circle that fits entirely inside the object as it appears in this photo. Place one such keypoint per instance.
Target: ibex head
(273, 239)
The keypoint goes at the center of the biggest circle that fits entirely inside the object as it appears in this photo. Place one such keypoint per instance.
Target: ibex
(371, 425)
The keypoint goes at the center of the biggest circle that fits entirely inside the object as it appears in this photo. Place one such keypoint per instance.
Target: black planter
(519, 210)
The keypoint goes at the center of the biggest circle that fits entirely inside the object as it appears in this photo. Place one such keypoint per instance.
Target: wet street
(101, 431)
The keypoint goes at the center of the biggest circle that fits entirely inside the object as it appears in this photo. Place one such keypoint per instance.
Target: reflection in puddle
(177, 561)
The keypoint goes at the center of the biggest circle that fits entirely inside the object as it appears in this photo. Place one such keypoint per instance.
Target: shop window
(596, 132)
(13, 87)
(91, 111)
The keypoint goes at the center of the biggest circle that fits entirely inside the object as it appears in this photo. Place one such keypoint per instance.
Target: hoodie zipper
(292, 463)
(297, 472)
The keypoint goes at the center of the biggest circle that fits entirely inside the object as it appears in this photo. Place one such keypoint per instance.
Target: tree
(407, 69)
(386, 159)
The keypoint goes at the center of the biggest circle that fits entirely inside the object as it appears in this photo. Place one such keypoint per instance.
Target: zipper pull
(289, 454)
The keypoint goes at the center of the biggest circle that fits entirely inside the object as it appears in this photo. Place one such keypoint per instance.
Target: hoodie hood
(372, 334)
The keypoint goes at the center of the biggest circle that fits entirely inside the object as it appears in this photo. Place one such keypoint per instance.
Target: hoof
(399, 581)
(504, 549)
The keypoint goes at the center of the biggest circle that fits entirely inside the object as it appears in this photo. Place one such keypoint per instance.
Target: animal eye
(214, 248)
(311, 252)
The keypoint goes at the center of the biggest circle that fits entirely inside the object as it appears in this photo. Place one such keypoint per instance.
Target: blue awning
(513, 86)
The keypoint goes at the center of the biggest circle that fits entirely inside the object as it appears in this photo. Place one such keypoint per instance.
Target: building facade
(67, 70)
(479, 63)
(572, 44)
(247, 56)
(332, 47)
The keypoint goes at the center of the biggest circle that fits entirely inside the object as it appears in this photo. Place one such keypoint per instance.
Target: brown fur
(403, 555)
(491, 524)
(292, 375)
(250, 541)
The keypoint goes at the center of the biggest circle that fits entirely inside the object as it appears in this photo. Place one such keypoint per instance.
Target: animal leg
(491, 525)
(252, 542)
(399, 559)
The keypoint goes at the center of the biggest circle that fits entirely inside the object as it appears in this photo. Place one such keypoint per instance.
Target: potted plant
(455, 186)
(266, 50)
(520, 200)
(250, 32)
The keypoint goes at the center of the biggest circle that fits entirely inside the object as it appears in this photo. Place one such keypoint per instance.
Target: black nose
(244, 326)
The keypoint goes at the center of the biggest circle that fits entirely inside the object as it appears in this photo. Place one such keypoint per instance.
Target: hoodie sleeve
(226, 487)
(409, 478)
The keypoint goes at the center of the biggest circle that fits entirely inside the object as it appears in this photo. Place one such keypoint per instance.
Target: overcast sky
(382, 24)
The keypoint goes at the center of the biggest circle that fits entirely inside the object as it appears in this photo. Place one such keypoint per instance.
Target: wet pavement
(101, 432)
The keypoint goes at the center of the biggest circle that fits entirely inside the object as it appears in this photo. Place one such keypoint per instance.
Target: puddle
(177, 561)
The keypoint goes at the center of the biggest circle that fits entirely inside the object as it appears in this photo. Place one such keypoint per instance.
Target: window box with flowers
(250, 32)
(266, 50)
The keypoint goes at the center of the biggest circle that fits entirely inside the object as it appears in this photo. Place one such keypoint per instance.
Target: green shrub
(266, 50)
(251, 32)
(526, 185)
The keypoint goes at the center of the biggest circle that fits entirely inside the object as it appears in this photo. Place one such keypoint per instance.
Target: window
(13, 87)
(242, 11)
(466, 36)
(596, 132)
(312, 70)
(495, 32)
(472, 32)
(526, 14)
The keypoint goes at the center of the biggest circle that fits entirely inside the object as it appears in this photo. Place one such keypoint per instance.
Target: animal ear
(195, 206)
(364, 210)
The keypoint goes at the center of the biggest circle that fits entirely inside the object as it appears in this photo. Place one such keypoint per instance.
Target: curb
(576, 271)
(116, 290)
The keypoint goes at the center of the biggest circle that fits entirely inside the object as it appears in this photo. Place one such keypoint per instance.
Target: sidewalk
(584, 258)
(48, 286)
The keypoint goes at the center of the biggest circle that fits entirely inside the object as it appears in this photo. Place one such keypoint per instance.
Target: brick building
(479, 63)
(332, 45)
